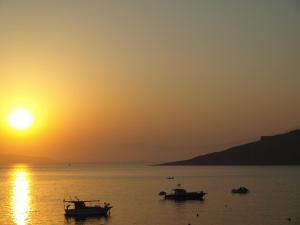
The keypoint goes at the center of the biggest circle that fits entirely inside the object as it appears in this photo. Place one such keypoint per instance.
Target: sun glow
(20, 119)
(21, 196)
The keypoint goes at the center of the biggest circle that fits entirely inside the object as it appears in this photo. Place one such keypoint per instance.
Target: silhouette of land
(10, 158)
(282, 149)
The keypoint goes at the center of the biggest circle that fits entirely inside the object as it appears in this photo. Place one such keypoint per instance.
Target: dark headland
(281, 149)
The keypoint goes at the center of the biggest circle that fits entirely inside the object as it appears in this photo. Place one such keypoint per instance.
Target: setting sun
(20, 119)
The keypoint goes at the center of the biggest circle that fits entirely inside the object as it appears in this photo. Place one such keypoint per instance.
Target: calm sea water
(34, 194)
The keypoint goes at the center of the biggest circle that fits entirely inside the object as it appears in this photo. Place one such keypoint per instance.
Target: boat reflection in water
(20, 202)
(86, 220)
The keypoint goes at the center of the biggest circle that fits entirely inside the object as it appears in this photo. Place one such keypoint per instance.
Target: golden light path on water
(20, 195)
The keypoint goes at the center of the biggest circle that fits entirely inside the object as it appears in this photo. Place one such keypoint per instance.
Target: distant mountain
(282, 149)
(9, 158)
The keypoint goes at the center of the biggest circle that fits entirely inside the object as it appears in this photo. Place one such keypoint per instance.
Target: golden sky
(147, 80)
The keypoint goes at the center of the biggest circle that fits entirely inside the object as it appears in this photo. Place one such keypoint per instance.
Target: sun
(20, 119)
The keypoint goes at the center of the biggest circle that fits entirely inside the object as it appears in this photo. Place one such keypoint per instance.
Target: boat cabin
(79, 205)
(179, 191)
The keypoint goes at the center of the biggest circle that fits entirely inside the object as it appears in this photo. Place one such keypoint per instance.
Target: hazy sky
(147, 80)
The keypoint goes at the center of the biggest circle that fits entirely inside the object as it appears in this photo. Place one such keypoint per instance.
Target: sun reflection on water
(21, 195)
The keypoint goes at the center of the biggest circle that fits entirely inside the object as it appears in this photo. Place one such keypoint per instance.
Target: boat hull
(235, 191)
(188, 196)
(241, 190)
(90, 211)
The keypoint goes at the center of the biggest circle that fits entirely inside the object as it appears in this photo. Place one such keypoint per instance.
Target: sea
(33, 194)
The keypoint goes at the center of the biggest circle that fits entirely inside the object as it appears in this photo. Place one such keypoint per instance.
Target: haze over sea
(34, 194)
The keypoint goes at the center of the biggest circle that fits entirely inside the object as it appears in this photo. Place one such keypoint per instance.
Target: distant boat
(180, 194)
(170, 177)
(240, 190)
(78, 208)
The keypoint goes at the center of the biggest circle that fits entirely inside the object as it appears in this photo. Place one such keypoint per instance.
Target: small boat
(170, 178)
(180, 194)
(240, 190)
(78, 208)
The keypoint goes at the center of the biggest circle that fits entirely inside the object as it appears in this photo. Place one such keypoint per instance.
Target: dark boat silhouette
(78, 208)
(240, 190)
(180, 194)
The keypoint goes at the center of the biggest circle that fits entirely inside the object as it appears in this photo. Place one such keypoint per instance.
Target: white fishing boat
(180, 194)
(80, 208)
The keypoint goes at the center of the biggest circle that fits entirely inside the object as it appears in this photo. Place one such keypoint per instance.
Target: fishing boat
(180, 194)
(79, 208)
(240, 190)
